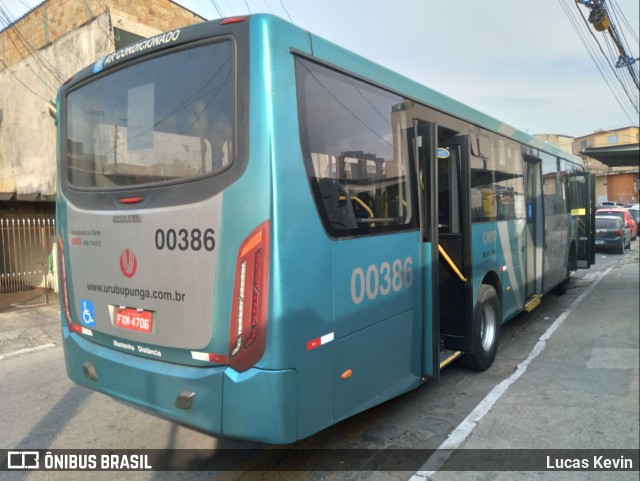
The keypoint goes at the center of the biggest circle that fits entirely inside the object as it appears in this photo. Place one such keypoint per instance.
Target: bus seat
(340, 213)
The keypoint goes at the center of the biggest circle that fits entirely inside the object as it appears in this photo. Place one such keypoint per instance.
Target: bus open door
(447, 294)
(582, 205)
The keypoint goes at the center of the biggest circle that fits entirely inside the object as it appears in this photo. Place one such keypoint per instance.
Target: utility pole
(600, 20)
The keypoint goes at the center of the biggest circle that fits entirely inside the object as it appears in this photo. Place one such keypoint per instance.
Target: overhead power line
(286, 11)
(215, 5)
(619, 39)
(606, 74)
(33, 60)
(604, 20)
(31, 56)
(22, 83)
(607, 49)
(616, 73)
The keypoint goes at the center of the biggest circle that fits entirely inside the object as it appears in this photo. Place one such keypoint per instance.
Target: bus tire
(485, 331)
(562, 288)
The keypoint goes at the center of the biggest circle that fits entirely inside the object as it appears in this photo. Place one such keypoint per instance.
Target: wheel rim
(488, 327)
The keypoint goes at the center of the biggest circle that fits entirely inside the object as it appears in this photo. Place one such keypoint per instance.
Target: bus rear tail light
(248, 326)
(63, 283)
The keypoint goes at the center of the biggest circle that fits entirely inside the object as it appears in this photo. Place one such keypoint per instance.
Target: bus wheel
(485, 330)
(563, 287)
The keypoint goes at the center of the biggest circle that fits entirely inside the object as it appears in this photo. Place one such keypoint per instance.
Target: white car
(610, 203)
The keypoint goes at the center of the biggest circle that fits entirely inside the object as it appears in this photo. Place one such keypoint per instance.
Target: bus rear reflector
(209, 357)
(248, 324)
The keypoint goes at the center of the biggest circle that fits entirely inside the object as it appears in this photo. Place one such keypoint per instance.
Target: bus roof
(328, 52)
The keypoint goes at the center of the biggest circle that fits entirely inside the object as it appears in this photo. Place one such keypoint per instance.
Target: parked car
(611, 232)
(625, 216)
(634, 212)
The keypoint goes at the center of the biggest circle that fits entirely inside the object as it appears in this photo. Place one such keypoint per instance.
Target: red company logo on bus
(128, 263)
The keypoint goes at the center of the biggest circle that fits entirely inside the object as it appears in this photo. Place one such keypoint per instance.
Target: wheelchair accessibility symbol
(88, 313)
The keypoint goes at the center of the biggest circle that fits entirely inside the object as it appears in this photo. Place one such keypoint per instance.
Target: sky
(521, 62)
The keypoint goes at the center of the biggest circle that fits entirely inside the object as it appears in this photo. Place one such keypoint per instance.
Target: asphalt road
(579, 391)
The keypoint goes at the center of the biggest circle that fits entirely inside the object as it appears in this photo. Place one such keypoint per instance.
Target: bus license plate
(134, 320)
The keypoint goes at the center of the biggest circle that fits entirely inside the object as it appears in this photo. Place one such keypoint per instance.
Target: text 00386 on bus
(263, 234)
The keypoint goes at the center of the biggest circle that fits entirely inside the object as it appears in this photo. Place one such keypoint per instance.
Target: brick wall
(622, 187)
(54, 18)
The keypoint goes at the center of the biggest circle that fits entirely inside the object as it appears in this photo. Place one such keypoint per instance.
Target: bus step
(532, 303)
(447, 357)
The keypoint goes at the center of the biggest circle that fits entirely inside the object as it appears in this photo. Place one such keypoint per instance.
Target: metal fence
(28, 262)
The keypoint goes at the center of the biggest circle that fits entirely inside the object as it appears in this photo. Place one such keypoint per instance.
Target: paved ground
(577, 390)
(22, 330)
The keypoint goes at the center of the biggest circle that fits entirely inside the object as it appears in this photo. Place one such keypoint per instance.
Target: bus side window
(449, 195)
(477, 210)
(489, 203)
(497, 183)
(355, 151)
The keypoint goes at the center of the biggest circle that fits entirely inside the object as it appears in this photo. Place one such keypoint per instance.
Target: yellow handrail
(363, 205)
(451, 264)
(361, 202)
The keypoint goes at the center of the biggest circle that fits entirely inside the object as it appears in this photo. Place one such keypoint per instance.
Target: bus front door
(455, 288)
(535, 229)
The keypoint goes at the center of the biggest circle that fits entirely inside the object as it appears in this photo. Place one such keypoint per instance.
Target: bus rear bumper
(257, 404)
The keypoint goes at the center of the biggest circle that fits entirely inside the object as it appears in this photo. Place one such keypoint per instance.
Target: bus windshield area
(168, 118)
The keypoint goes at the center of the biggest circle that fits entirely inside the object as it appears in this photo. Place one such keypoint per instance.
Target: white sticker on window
(140, 117)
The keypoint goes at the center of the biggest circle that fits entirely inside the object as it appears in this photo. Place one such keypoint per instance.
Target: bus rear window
(606, 223)
(169, 118)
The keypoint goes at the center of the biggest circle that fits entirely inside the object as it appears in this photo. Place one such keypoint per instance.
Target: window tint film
(607, 224)
(354, 140)
(612, 212)
(164, 119)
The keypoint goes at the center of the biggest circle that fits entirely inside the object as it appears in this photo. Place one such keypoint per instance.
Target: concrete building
(40, 51)
(563, 142)
(614, 156)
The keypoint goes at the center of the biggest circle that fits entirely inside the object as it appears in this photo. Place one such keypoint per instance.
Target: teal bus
(261, 234)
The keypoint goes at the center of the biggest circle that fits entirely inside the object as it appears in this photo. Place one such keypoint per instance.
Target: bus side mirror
(52, 109)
